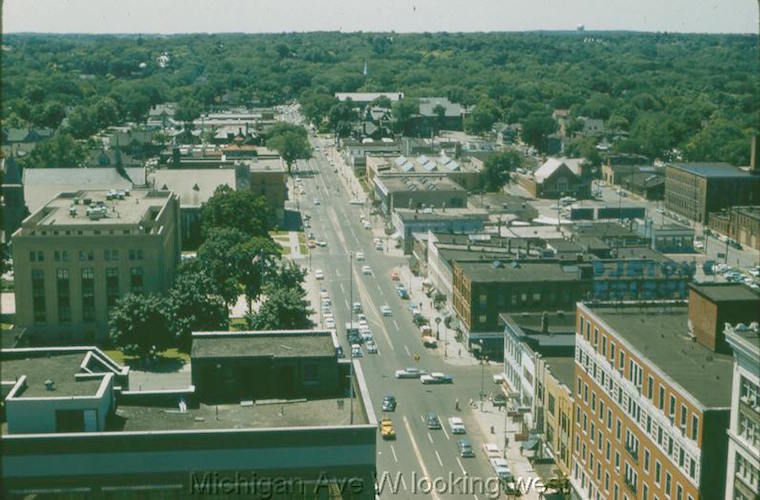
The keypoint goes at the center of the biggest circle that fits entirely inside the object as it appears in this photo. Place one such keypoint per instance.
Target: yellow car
(386, 429)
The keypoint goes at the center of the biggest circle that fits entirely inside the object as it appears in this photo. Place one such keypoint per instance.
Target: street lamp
(438, 328)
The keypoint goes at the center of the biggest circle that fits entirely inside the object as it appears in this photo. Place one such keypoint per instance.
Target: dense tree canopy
(666, 90)
(238, 209)
(497, 167)
(291, 141)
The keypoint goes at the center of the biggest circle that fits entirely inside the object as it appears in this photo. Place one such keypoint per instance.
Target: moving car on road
(386, 429)
(409, 373)
(371, 347)
(456, 425)
(318, 274)
(491, 450)
(385, 310)
(436, 378)
(432, 421)
(356, 351)
(389, 403)
(465, 448)
(360, 256)
(366, 270)
(428, 341)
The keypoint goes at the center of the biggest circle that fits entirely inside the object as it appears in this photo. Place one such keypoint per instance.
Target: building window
(64, 295)
(646, 460)
(694, 427)
(483, 318)
(668, 480)
(650, 388)
(661, 400)
(612, 351)
(618, 429)
(86, 255)
(596, 337)
(38, 295)
(604, 345)
(112, 286)
(672, 411)
(621, 360)
(593, 402)
(88, 294)
(551, 405)
(136, 279)
(657, 472)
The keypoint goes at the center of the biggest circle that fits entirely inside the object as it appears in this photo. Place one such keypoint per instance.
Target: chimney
(49, 385)
(753, 156)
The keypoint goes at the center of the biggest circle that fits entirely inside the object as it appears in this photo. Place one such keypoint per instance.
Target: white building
(743, 471)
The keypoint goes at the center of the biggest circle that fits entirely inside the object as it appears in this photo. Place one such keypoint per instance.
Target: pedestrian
(460, 352)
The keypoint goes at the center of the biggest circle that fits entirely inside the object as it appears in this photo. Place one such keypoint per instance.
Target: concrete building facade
(78, 254)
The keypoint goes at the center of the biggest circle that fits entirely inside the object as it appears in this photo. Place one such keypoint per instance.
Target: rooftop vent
(49, 385)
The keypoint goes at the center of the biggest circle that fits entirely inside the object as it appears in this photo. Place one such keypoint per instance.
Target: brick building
(712, 305)
(739, 223)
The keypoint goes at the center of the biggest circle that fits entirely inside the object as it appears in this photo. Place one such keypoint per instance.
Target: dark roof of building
(639, 252)
(285, 413)
(560, 245)
(644, 179)
(563, 369)
(11, 172)
(281, 344)
(408, 215)
(660, 334)
(725, 292)
(604, 230)
(715, 170)
(523, 271)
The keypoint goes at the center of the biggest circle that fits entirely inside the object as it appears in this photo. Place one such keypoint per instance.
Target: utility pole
(351, 289)
(351, 390)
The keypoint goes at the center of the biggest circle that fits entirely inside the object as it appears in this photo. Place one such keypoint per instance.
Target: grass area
(274, 234)
(5, 326)
(237, 324)
(285, 250)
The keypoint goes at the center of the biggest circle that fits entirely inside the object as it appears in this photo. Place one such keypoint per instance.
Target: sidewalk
(518, 463)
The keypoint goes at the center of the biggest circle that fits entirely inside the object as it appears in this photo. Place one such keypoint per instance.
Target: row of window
(63, 292)
(85, 255)
(669, 443)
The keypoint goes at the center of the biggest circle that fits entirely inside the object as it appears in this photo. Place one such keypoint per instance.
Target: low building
(74, 257)
(743, 472)
(364, 98)
(464, 171)
(558, 177)
(712, 305)
(484, 290)
(694, 190)
(741, 224)
(75, 427)
(651, 405)
(438, 113)
(421, 192)
(356, 152)
(20, 141)
(452, 220)
(650, 185)
(612, 234)
(268, 178)
(668, 237)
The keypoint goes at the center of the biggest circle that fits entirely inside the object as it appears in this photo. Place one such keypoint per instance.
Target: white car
(437, 378)
(323, 294)
(457, 425)
(361, 317)
(409, 373)
(366, 270)
(360, 256)
(321, 243)
(501, 468)
(316, 201)
(491, 450)
(367, 336)
(357, 307)
(385, 310)
(379, 245)
(367, 225)
(363, 325)
(371, 347)
(356, 351)
(318, 274)
(330, 323)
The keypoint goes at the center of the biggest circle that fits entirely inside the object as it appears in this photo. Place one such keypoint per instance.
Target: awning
(530, 444)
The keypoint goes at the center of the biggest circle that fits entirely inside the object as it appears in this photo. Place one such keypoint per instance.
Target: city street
(416, 450)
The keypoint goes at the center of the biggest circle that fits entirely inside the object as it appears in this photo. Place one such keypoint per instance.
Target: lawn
(6, 326)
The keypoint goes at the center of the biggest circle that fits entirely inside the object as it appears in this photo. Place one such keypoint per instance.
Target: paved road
(417, 451)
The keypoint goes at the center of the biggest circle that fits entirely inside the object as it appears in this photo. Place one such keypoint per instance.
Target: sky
(266, 16)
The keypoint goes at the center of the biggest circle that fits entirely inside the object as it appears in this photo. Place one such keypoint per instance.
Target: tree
(283, 309)
(187, 111)
(482, 117)
(403, 112)
(238, 209)
(496, 169)
(52, 115)
(61, 150)
(382, 102)
(220, 262)
(316, 106)
(536, 128)
(292, 143)
(257, 257)
(139, 325)
(341, 116)
(288, 275)
(440, 116)
(193, 305)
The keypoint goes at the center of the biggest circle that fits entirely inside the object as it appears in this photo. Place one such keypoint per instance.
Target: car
(465, 448)
(316, 201)
(402, 292)
(356, 351)
(386, 429)
(429, 341)
(409, 373)
(491, 450)
(361, 317)
(389, 403)
(457, 425)
(432, 421)
(501, 468)
(371, 347)
(395, 275)
(311, 244)
(499, 399)
(307, 224)
(367, 225)
(385, 310)
(366, 270)
(363, 325)
(354, 339)
(321, 243)
(436, 378)
(360, 256)
(367, 336)
(357, 307)
(329, 323)
(379, 246)
(324, 294)
(318, 274)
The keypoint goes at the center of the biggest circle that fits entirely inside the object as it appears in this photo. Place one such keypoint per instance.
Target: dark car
(389, 403)
(465, 448)
(432, 420)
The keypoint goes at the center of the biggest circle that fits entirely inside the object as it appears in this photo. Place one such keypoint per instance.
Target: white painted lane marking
(403, 483)
(407, 351)
(416, 449)
(430, 438)
(445, 433)
(395, 323)
(393, 450)
(440, 462)
(461, 466)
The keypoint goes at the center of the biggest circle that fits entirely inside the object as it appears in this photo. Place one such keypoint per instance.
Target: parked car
(465, 448)
(371, 347)
(318, 274)
(367, 336)
(360, 256)
(385, 310)
(394, 275)
(432, 421)
(329, 323)
(428, 341)
(501, 468)
(389, 403)
(457, 425)
(409, 373)
(491, 450)
(356, 351)
(357, 307)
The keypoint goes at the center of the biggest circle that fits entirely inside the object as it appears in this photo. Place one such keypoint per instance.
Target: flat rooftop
(130, 210)
(604, 230)
(713, 170)
(524, 271)
(408, 215)
(263, 344)
(59, 368)
(419, 183)
(266, 165)
(726, 292)
(563, 369)
(298, 413)
(660, 334)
